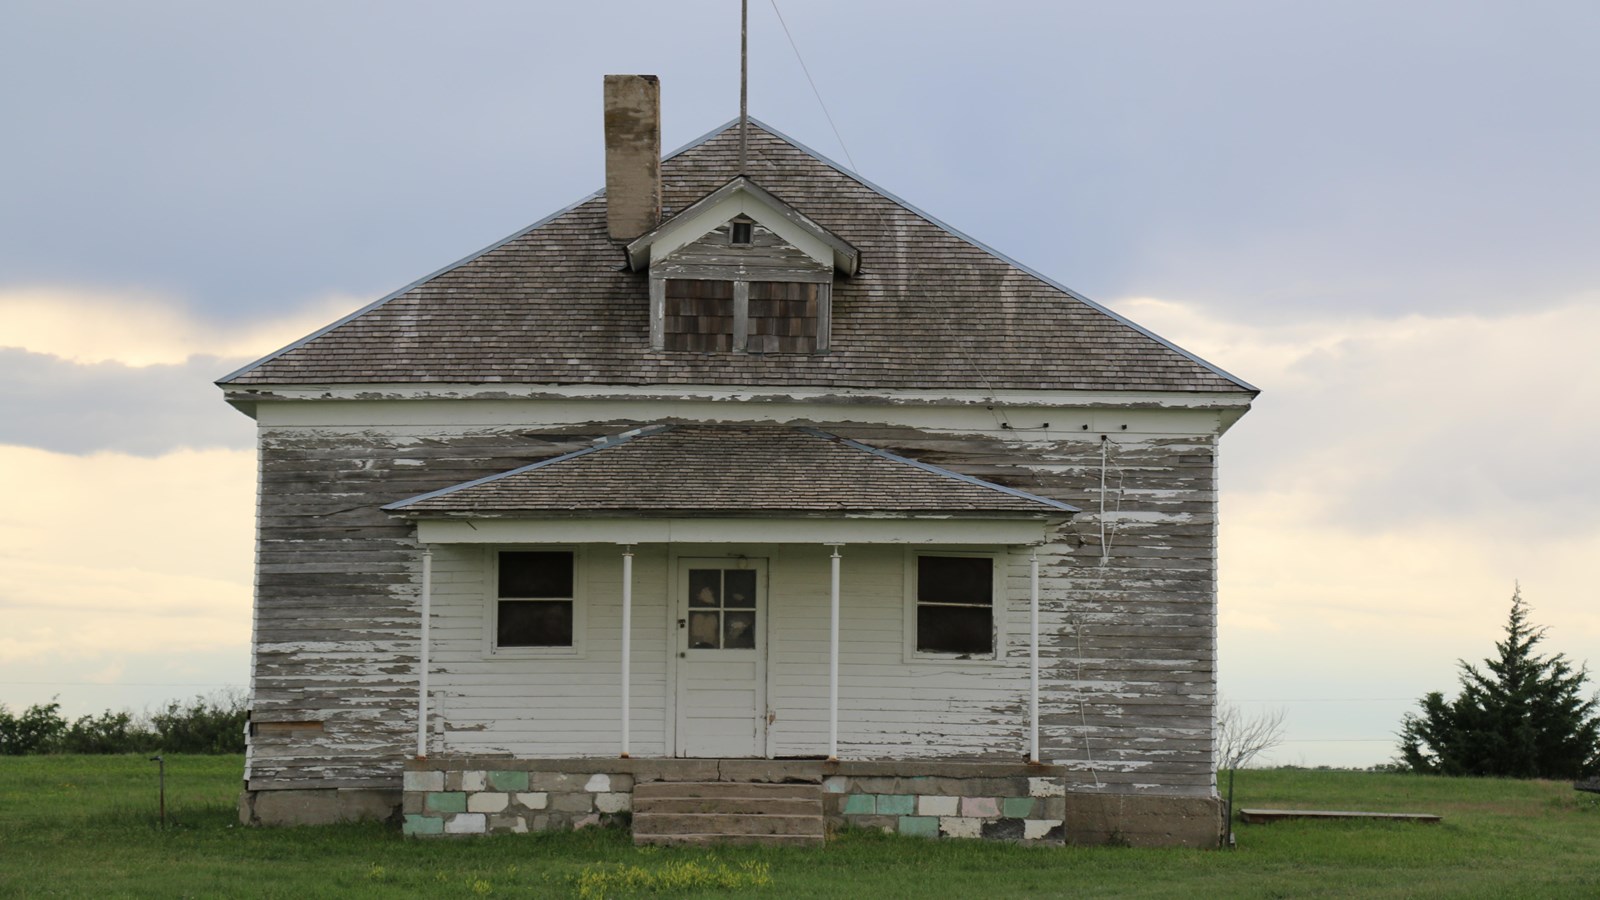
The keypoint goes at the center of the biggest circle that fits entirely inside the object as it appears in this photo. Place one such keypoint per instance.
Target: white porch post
(1033, 663)
(627, 640)
(833, 659)
(422, 675)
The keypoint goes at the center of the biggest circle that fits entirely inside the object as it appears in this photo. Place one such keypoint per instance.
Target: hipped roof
(929, 308)
(728, 470)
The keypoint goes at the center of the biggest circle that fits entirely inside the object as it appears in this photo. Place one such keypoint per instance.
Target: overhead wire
(813, 83)
(929, 301)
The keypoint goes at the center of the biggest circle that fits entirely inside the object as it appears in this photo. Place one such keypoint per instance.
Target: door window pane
(703, 631)
(741, 588)
(705, 587)
(739, 630)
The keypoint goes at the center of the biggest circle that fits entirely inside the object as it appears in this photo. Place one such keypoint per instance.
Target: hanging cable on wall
(1108, 524)
(1083, 716)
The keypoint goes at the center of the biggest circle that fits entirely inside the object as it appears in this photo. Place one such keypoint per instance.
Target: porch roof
(729, 470)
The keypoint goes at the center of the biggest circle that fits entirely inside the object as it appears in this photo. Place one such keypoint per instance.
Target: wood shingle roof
(728, 469)
(929, 308)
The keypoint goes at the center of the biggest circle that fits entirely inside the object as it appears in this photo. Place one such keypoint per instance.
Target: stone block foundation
(971, 800)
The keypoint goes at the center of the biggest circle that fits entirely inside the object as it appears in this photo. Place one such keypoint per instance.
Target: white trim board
(723, 393)
(948, 532)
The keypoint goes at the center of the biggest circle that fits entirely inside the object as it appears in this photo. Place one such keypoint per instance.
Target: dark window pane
(740, 585)
(955, 579)
(739, 630)
(703, 631)
(955, 629)
(535, 623)
(536, 574)
(705, 587)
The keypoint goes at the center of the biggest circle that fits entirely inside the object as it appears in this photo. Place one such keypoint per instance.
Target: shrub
(213, 724)
(35, 731)
(109, 732)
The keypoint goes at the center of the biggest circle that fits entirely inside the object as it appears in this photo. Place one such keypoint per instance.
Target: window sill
(913, 657)
(509, 653)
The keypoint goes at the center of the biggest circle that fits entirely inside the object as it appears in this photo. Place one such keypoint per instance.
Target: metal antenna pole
(744, 86)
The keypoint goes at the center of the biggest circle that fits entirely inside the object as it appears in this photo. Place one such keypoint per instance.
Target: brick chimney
(633, 155)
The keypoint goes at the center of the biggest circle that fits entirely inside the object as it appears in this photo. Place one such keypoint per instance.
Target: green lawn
(85, 826)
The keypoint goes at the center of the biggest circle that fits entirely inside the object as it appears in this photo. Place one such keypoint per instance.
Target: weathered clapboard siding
(549, 706)
(1128, 637)
(1100, 644)
(335, 614)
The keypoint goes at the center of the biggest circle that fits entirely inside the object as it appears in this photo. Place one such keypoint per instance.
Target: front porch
(926, 798)
(1010, 801)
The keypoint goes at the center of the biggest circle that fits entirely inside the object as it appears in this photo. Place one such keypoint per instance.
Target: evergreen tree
(1525, 717)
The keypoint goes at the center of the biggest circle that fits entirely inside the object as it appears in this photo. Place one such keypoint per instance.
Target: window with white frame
(535, 599)
(954, 598)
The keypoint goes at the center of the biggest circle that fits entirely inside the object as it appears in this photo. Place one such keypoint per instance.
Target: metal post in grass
(1229, 838)
(161, 768)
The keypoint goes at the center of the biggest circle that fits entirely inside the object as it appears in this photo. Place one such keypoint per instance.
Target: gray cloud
(53, 404)
(1267, 158)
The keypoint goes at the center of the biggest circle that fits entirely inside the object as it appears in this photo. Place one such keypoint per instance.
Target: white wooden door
(721, 643)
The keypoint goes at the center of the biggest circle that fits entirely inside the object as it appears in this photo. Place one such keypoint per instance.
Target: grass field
(86, 826)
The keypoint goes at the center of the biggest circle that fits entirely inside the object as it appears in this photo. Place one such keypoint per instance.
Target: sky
(1383, 214)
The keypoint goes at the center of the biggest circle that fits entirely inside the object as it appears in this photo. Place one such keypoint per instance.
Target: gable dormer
(741, 271)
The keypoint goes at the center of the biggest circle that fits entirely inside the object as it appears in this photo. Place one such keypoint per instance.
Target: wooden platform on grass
(1265, 816)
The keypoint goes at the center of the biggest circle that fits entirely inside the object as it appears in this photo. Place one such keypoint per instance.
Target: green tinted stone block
(896, 804)
(1017, 807)
(423, 825)
(860, 805)
(919, 826)
(509, 781)
(448, 802)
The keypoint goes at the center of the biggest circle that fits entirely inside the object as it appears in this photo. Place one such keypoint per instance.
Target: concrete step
(703, 840)
(753, 806)
(730, 789)
(704, 812)
(718, 823)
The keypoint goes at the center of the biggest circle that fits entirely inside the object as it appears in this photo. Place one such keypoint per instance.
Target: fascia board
(1050, 399)
(951, 531)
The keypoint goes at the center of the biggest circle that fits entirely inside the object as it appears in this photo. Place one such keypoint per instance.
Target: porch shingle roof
(729, 470)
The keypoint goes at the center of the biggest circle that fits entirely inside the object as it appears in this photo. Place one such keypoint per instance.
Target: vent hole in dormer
(740, 233)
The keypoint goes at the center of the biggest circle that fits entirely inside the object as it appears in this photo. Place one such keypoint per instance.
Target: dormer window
(740, 271)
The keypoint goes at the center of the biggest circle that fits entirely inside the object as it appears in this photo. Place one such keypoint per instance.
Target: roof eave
(741, 513)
